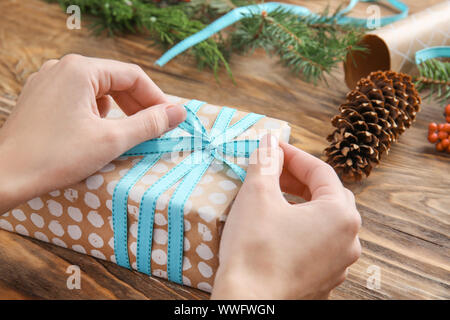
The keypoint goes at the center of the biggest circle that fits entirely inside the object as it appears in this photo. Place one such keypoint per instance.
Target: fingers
(355, 251)
(126, 102)
(48, 64)
(127, 83)
(130, 86)
(265, 165)
(45, 66)
(290, 184)
(146, 124)
(319, 177)
(104, 105)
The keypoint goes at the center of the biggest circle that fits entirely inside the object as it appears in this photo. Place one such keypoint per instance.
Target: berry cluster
(440, 133)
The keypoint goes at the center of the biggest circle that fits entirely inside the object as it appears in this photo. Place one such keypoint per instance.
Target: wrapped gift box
(80, 217)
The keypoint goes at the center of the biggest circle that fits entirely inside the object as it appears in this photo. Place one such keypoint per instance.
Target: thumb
(150, 123)
(265, 165)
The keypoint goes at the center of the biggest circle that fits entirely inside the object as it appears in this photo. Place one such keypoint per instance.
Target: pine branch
(209, 10)
(166, 25)
(310, 46)
(435, 77)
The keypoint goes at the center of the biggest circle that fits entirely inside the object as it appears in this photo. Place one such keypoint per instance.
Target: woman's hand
(271, 249)
(57, 134)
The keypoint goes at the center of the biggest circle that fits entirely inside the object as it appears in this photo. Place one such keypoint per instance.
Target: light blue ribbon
(240, 13)
(431, 53)
(205, 148)
(123, 187)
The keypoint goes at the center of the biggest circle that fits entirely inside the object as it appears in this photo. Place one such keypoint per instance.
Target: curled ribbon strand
(240, 13)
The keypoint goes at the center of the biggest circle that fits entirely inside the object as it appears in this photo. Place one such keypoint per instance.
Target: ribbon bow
(205, 148)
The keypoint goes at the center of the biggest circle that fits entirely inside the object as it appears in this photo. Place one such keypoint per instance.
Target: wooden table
(404, 204)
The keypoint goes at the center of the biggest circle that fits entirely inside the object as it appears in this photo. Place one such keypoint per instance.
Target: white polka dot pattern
(75, 214)
(92, 200)
(19, 215)
(40, 236)
(205, 269)
(108, 168)
(22, 230)
(227, 185)
(55, 193)
(37, 220)
(55, 208)
(74, 232)
(95, 219)
(71, 195)
(159, 256)
(217, 198)
(204, 252)
(56, 228)
(95, 240)
(207, 213)
(59, 242)
(94, 182)
(36, 203)
(79, 248)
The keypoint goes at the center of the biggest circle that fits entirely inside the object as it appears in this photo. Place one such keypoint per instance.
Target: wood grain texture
(404, 204)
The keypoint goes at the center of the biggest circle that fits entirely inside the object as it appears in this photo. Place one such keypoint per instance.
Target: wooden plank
(404, 203)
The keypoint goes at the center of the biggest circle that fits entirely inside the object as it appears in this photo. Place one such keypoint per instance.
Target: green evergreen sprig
(435, 77)
(165, 25)
(310, 46)
(209, 10)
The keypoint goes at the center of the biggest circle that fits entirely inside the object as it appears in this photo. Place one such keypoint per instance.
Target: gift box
(159, 208)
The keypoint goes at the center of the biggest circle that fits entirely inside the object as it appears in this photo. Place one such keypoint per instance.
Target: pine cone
(376, 112)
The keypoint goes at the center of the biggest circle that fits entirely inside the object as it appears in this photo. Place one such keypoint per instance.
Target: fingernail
(268, 141)
(175, 114)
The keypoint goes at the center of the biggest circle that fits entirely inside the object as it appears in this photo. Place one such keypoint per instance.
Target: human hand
(57, 134)
(271, 249)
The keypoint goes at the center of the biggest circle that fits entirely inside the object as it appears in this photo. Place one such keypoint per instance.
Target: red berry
(447, 118)
(440, 127)
(445, 143)
(433, 137)
(439, 147)
(442, 135)
(447, 110)
(432, 127)
(447, 127)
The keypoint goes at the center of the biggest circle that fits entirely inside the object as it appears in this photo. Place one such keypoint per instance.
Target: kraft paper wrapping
(393, 47)
(80, 217)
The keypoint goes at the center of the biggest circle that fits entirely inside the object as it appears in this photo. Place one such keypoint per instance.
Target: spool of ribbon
(242, 12)
(205, 147)
(394, 47)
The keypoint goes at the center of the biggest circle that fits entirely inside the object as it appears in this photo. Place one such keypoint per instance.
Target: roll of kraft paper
(393, 47)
